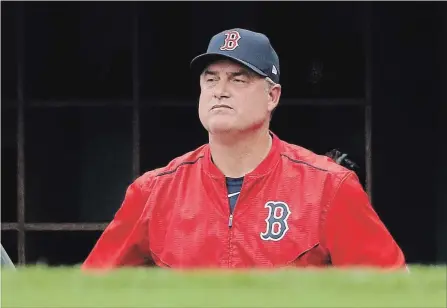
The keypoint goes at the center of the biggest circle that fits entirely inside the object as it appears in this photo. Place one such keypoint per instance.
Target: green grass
(68, 287)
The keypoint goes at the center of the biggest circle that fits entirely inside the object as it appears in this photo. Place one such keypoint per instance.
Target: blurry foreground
(68, 287)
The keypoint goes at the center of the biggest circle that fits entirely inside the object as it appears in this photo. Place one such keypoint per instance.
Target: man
(246, 199)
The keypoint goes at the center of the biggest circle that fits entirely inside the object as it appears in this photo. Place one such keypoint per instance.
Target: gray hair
(270, 83)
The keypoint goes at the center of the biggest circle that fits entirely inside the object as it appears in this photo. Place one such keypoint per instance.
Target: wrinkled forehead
(227, 66)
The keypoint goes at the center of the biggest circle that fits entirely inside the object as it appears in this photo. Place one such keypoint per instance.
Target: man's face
(234, 99)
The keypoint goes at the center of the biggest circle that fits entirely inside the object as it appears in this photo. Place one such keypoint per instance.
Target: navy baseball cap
(251, 49)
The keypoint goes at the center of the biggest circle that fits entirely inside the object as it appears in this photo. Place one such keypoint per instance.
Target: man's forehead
(227, 66)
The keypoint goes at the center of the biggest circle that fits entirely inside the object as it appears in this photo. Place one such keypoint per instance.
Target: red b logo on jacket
(231, 40)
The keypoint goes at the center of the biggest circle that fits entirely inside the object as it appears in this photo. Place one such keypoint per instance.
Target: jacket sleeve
(353, 232)
(124, 242)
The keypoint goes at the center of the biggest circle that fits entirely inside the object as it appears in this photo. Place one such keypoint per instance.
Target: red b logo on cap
(231, 40)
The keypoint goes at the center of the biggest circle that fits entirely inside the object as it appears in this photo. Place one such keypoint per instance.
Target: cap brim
(199, 63)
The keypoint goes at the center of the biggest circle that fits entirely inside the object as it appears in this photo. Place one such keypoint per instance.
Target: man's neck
(240, 154)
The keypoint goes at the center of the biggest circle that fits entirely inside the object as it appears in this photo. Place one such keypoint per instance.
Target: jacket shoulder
(189, 158)
(298, 155)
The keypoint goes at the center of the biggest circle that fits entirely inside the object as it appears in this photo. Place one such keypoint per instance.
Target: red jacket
(295, 209)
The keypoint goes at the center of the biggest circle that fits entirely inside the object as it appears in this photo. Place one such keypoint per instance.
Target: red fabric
(178, 216)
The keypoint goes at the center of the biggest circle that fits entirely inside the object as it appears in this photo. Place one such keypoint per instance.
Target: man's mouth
(220, 106)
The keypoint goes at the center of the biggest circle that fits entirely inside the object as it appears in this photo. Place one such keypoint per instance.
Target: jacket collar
(262, 169)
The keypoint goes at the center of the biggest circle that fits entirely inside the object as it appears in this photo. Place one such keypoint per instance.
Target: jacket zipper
(230, 218)
(230, 233)
(230, 221)
(230, 225)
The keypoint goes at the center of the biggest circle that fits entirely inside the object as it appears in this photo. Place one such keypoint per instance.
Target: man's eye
(210, 80)
(239, 80)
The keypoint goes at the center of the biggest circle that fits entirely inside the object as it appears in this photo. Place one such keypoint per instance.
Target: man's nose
(221, 90)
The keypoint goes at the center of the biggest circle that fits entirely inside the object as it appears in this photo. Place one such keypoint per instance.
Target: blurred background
(93, 94)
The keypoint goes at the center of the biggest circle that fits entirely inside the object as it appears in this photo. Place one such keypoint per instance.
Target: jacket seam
(160, 259)
(172, 171)
(304, 163)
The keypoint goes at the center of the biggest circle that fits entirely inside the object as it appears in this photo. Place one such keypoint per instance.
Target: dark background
(96, 93)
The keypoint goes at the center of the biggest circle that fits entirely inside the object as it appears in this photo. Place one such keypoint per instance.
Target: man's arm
(353, 232)
(125, 241)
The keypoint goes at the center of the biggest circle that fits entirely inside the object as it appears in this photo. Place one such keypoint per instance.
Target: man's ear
(274, 96)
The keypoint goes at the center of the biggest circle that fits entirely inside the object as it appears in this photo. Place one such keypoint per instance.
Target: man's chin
(229, 129)
(221, 126)
(222, 130)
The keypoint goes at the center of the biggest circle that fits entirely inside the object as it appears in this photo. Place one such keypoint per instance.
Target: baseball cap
(251, 49)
